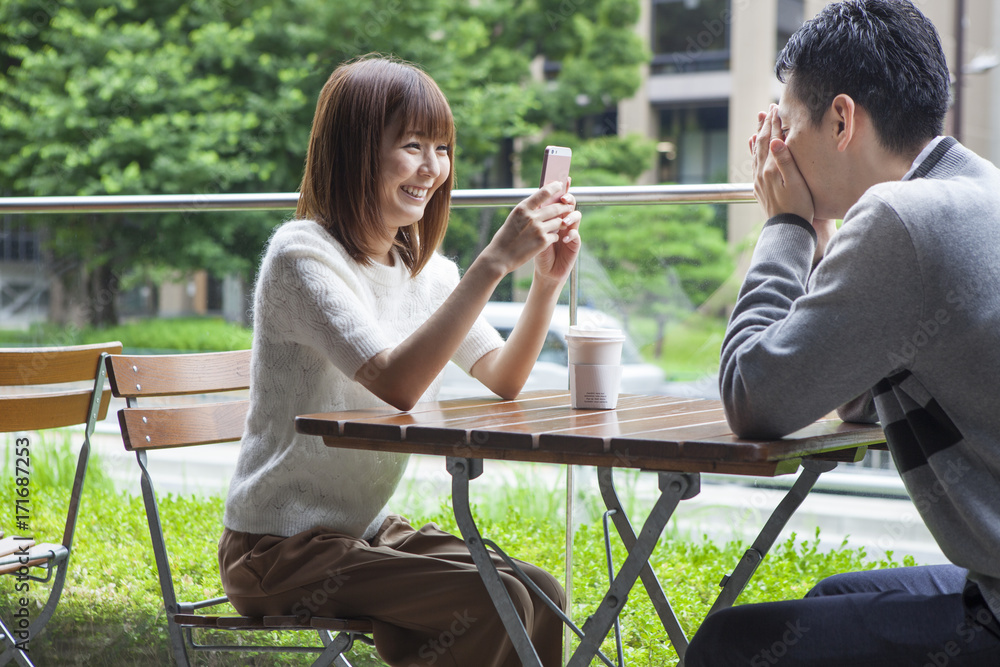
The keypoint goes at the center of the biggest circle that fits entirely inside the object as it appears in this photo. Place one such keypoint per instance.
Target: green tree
(206, 96)
(661, 261)
(171, 97)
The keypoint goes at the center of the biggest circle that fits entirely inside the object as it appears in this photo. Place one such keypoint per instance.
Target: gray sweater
(899, 322)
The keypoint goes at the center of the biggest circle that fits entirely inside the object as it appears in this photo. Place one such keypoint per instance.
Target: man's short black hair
(885, 54)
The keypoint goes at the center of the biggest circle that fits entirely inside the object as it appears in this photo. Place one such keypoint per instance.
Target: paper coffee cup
(594, 386)
(594, 366)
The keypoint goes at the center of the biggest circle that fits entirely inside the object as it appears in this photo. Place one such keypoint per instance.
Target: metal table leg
(732, 585)
(462, 470)
(605, 481)
(673, 488)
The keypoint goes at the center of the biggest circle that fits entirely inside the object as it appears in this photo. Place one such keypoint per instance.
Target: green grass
(193, 334)
(110, 613)
(690, 346)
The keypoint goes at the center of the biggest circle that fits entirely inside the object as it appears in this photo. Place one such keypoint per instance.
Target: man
(894, 317)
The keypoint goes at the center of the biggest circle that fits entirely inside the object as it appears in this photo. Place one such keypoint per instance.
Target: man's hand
(777, 182)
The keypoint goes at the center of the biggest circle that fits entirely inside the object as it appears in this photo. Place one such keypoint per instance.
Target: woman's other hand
(533, 227)
(555, 262)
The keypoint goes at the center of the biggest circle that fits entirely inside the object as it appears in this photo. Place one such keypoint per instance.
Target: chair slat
(196, 621)
(51, 365)
(135, 376)
(9, 545)
(273, 622)
(318, 623)
(37, 555)
(157, 428)
(35, 412)
(240, 622)
(138, 377)
(341, 624)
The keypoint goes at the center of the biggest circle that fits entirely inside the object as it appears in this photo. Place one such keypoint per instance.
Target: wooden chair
(27, 406)
(201, 423)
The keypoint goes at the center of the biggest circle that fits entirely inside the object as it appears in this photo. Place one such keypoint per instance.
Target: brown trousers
(420, 588)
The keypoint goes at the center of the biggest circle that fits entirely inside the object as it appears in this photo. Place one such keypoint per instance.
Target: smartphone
(555, 167)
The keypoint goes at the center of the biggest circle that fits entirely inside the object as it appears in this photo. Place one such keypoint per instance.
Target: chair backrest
(69, 405)
(199, 422)
(151, 376)
(53, 387)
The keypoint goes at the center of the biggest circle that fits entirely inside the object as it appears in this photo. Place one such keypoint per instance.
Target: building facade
(712, 70)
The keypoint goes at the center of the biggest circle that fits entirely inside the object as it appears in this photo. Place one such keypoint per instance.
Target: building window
(215, 288)
(694, 144)
(690, 35)
(604, 124)
(18, 243)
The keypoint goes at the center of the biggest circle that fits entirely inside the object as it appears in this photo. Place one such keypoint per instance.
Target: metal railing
(723, 193)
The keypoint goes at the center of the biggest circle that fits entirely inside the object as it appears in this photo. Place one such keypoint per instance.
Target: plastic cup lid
(595, 333)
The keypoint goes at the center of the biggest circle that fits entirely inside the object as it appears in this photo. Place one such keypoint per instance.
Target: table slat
(647, 432)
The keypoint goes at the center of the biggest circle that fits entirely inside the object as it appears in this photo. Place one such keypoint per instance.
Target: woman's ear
(844, 113)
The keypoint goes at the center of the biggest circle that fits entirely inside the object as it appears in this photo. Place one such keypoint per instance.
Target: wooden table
(677, 438)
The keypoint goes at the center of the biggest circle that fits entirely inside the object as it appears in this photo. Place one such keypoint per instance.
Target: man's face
(814, 148)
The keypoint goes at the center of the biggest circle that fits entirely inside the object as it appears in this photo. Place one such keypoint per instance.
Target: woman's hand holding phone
(539, 223)
(556, 261)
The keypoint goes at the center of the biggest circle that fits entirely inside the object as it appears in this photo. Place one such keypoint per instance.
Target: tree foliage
(659, 261)
(207, 96)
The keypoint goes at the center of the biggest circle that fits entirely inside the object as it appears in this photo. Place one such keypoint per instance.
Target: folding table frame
(674, 487)
(676, 438)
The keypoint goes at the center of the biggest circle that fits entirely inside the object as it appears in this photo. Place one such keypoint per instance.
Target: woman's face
(413, 167)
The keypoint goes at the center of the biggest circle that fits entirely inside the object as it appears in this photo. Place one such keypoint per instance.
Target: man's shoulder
(957, 173)
(931, 197)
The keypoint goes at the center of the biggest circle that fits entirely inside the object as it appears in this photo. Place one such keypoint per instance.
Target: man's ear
(844, 115)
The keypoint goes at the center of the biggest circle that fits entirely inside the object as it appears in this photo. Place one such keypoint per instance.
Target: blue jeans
(907, 616)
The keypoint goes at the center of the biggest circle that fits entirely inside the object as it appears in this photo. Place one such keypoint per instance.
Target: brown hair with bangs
(342, 179)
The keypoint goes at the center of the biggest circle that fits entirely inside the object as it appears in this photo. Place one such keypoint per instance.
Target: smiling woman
(359, 124)
(355, 308)
(414, 165)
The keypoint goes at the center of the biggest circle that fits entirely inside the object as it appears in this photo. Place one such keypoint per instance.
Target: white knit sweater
(318, 317)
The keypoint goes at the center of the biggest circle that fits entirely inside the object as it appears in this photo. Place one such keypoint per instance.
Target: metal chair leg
(333, 654)
(12, 652)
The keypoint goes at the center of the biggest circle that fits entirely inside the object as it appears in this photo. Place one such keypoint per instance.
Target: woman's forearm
(506, 370)
(400, 375)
